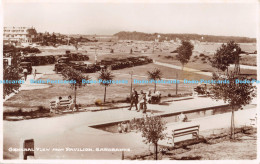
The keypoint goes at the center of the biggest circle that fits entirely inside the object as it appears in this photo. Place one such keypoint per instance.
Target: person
(34, 73)
(182, 117)
(134, 99)
(58, 103)
(119, 128)
(124, 127)
(149, 96)
(143, 101)
(25, 72)
(72, 104)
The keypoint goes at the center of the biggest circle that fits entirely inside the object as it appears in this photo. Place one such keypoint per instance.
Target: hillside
(123, 35)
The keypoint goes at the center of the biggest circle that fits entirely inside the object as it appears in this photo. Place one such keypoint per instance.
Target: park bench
(64, 105)
(192, 131)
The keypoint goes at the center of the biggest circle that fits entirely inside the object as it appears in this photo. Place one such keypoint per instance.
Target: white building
(19, 34)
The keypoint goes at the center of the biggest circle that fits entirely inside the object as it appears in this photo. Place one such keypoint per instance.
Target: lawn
(93, 92)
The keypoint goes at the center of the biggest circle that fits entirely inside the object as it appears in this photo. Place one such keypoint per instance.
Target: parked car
(27, 65)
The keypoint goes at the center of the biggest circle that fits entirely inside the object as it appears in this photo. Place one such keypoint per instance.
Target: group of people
(123, 127)
(71, 103)
(140, 100)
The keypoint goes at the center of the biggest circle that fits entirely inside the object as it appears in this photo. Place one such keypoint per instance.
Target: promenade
(73, 131)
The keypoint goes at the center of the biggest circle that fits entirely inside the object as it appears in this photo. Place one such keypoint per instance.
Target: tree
(227, 54)
(75, 77)
(184, 52)
(152, 129)
(156, 74)
(106, 76)
(11, 73)
(235, 94)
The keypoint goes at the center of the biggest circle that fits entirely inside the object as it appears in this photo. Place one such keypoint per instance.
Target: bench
(181, 132)
(64, 105)
(192, 130)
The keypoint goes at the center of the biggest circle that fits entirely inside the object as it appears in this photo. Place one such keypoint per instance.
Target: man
(134, 99)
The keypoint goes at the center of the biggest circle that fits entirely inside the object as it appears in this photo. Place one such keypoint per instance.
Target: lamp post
(131, 73)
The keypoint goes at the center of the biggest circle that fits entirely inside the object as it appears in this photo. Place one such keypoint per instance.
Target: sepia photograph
(129, 80)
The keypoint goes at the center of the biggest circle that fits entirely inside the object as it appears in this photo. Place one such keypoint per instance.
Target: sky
(228, 19)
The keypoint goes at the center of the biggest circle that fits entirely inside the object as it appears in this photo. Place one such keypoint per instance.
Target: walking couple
(135, 100)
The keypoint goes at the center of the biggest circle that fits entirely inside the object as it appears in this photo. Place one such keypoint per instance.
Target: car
(27, 65)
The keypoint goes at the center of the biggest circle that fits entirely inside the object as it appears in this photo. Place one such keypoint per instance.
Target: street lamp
(131, 73)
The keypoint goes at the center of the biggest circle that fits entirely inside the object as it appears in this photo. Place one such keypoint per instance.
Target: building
(19, 34)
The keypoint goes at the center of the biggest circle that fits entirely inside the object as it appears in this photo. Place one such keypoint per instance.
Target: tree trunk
(154, 87)
(105, 94)
(75, 97)
(155, 151)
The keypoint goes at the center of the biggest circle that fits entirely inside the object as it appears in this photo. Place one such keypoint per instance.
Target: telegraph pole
(176, 83)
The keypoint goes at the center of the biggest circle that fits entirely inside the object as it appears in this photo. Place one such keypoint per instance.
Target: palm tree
(106, 77)
(156, 74)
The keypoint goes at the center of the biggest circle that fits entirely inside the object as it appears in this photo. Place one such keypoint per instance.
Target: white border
(257, 2)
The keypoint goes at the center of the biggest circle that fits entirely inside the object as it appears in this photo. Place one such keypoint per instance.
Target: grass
(89, 94)
(215, 147)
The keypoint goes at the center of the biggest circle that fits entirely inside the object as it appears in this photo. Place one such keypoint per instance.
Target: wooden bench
(192, 130)
(177, 133)
(64, 105)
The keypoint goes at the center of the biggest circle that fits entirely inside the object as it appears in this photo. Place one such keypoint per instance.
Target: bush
(42, 109)
(98, 102)
(169, 95)
(202, 55)
(128, 99)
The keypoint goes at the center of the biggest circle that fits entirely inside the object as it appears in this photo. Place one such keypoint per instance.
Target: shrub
(128, 99)
(98, 102)
(169, 95)
(41, 109)
(202, 55)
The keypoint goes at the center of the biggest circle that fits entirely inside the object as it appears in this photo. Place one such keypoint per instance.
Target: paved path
(245, 67)
(73, 130)
(185, 68)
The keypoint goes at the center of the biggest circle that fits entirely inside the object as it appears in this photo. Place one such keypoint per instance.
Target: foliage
(71, 74)
(26, 50)
(124, 35)
(11, 73)
(156, 74)
(152, 129)
(106, 76)
(184, 52)
(235, 94)
(227, 54)
(75, 77)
